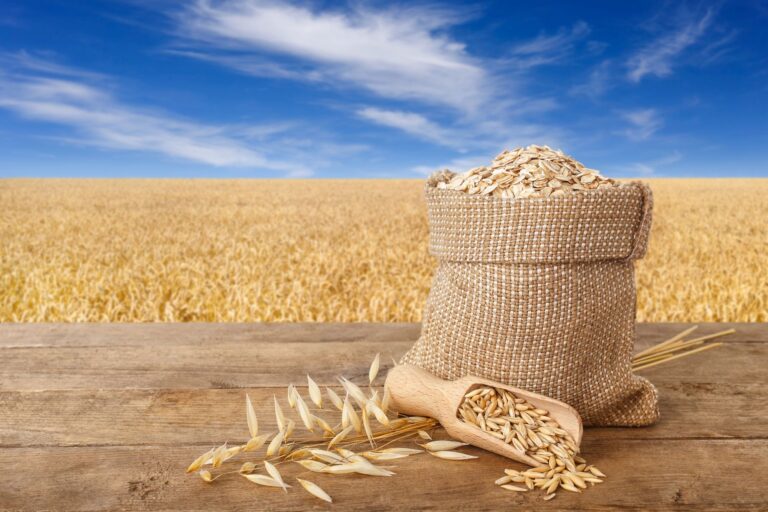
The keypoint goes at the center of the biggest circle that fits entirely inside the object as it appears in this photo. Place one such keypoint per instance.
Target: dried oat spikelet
(385, 400)
(304, 414)
(327, 429)
(312, 465)
(400, 450)
(255, 443)
(326, 456)
(424, 435)
(335, 400)
(253, 422)
(274, 445)
(266, 481)
(279, 416)
(315, 490)
(275, 474)
(367, 426)
(436, 446)
(378, 412)
(218, 456)
(289, 426)
(359, 467)
(449, 455)
(340, 436)
(341, 461)
(374, 369)
(351, 416)
(314, 392)
(354, 391)
(383, 456)
(200, 461)
(292, 392)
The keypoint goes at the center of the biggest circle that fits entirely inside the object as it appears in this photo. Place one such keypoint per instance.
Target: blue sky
(249, 88)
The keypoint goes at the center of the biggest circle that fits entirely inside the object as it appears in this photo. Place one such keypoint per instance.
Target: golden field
(323, 250)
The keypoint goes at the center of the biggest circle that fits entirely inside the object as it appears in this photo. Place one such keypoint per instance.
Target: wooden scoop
(417, 392)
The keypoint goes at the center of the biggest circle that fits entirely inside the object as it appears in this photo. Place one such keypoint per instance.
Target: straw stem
(679, 345)
(700, 349)
(666, 343)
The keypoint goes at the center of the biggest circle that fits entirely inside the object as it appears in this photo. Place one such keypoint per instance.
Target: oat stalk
(675, 348)
(352, 439)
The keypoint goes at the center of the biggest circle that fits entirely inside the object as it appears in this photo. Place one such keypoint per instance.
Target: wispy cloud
(643, 123)
(548, 48)
(403, 57)
(409, 122)
(658, 57)
(396, 53)
(600, 80)
(490, 135)
(48, 92)
(44, 64)
(685, 38)
(717, 48)
(255, 65)
(651, 168)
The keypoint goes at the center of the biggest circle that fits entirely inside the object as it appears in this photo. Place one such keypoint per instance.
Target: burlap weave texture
(540, 294)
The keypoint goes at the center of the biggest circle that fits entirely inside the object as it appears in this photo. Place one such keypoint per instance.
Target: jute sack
(540, 294)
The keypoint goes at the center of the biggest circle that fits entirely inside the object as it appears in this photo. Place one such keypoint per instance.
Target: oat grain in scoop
(532, 431)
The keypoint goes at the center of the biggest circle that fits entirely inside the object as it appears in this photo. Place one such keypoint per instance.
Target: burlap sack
(540, 294)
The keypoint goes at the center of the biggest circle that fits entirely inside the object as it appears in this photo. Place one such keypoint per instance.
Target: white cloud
(254, 65)
(598, 82)
(411, 123)
(101, 120)
(657, 58)
(643, 123)
(40, 63)
(651, 168)
(548, 49)
(641, 169)
(718, 47)
(403, 55)
(104, 123)
(397, 53)
(491, 135)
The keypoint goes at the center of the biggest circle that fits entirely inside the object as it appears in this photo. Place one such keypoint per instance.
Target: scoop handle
(416, 392)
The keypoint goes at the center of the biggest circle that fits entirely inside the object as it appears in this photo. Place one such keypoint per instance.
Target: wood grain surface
(107, 417)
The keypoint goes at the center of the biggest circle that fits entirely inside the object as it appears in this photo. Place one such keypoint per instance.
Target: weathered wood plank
(168, 334)
(270, 363)
(225, 364)
(663, 475)
(179, 417)
(115, 393)
(124, 335)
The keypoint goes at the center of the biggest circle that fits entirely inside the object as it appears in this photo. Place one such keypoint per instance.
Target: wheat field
(322, 250)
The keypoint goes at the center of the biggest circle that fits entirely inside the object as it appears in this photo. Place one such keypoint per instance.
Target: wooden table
(103, 417)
